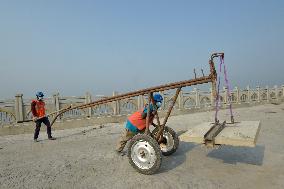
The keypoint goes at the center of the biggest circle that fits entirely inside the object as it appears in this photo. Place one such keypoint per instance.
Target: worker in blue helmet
(39, 116)
(136, 123)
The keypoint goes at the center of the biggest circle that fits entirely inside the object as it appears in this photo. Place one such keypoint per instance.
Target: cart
(145, 150)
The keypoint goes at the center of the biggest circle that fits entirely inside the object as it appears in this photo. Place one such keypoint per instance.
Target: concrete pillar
(212, 97)
(225, 95)
(180, 100)
(88, 99)
(258, 93)
(56, 103)
(140, 103)
(248, 93)
(283, 91)
(19, 107)
(116, 107)
(276, 92)
(237, 95)
(197, 98)
(268, 95)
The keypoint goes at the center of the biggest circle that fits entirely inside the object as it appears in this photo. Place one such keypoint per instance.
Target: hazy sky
(101, 46)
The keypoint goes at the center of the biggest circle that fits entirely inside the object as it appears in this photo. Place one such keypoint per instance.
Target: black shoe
(51, 138)
(36, 140)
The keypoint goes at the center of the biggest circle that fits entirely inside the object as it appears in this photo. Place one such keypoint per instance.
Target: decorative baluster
(88, 99)
(248, 94)
(197, 98)
(276, 92)
(258, 93)
(19, 107)
(180, 100)
(267, 94)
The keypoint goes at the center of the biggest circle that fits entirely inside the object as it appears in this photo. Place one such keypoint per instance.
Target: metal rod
(167, 115)
(156, 111)
(197, 81)
(186, 83)
(148, 113)
(55, 112)
(201, 80)
(172, 105)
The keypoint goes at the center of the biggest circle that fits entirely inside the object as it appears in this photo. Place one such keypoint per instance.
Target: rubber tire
(157, 150)
(175, 137)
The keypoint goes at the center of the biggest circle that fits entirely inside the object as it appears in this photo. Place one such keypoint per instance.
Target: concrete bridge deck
(84, 158)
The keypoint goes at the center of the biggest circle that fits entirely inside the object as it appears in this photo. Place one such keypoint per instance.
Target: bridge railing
(19, 108)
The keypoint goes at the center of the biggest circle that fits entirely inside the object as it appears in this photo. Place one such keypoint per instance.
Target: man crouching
(136, 123)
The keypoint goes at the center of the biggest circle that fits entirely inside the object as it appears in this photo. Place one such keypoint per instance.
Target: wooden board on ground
(243, 133)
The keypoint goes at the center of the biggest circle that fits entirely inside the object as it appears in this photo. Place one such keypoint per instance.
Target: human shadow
(233, 155)
(176, 159)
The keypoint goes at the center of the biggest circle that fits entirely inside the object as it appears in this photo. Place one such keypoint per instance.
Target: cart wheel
(144, 154)
(170, 141)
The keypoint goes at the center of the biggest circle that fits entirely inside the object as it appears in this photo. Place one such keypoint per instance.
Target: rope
(217, 105)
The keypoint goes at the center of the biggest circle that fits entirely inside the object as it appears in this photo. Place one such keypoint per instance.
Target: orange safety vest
(137, 120)
(39, 108)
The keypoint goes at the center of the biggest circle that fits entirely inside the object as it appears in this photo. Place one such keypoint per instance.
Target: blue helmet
(158, 98)
(39, 94)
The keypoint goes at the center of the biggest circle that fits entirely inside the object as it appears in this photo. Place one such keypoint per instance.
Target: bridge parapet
(18, 109)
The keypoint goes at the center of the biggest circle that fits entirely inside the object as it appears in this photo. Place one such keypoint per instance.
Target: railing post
(276, 92)
(225, 97)
(139, 102)
(258, 93)
(267, 94)
(282, 91)
(19, 107)
(88, 99)
(237, 95)
(116, 107)
(197, 98)
(180, 100)
(212, 97)
(248, 93)
(56, 102)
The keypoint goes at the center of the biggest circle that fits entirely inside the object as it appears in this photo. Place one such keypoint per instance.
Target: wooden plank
(243, 133)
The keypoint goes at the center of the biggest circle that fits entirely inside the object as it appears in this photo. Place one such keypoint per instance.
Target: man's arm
(144, 115)
(152, 111)
(33, 109)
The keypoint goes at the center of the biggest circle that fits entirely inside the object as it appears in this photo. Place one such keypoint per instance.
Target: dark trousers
(38, 125)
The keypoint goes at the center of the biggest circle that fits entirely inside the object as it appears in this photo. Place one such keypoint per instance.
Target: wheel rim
(169, 144)
(143, 154)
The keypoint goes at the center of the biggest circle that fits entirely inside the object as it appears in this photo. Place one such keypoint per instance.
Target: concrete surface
(84, 158)
(243, 133)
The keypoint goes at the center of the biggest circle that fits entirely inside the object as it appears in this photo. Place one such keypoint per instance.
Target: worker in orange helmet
(136, 123)
(39, 116)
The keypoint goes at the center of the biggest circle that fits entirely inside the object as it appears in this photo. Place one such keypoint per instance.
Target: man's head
(158, 100)
(39, 95)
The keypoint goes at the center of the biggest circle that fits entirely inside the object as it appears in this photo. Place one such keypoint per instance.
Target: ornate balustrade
(18, 109)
